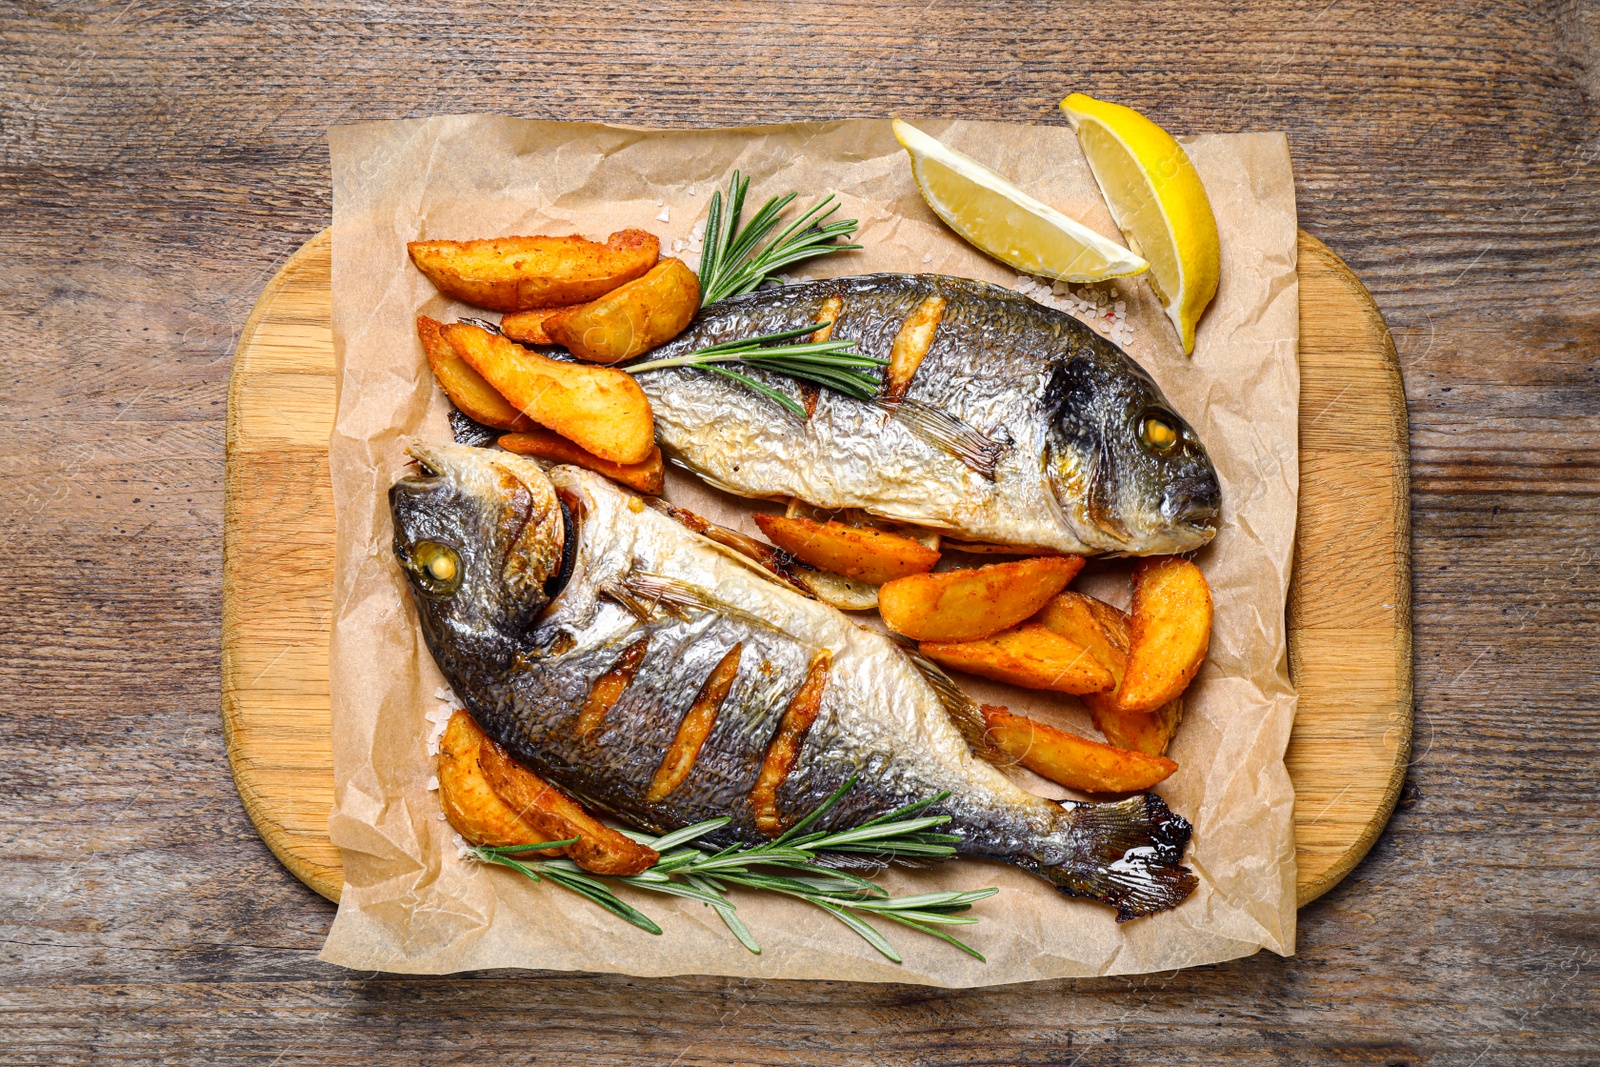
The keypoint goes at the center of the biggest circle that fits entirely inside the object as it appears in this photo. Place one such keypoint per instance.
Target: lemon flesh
(1158, 201)
(1005, 222)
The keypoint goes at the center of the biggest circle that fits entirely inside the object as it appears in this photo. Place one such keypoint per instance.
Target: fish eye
(1157, 434)
(436, 566)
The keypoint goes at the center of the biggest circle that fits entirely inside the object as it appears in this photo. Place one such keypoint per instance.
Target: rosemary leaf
(860, 926)
(731, 261)
(791, 865)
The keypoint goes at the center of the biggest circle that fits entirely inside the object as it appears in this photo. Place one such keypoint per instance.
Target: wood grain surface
(160, 159)
(1349, 641)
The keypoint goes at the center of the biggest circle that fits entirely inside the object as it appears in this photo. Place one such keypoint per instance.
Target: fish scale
(524, 663)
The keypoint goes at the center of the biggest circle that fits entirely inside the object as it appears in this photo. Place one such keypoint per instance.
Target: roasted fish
(999, 420)
(664, 679)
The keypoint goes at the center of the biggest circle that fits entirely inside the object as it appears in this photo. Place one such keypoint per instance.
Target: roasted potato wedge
(600, 409)
(465, 387)
(520, 273)
(1094, 624)
(646, 477)
(1149, 732)
(1168, 634)
(858, 552)
(599, 848)
(1103, 630)
(1031, 656)
(1073, 761)
(527, 327)
(966, 605)
(631, 319)
(470, 805)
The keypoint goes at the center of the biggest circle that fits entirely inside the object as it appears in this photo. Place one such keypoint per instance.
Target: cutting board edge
(1400, 428)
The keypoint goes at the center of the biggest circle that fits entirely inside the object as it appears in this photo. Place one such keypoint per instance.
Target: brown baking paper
(411, 904)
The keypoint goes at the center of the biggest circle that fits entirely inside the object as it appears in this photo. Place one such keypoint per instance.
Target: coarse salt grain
(433, 783)
(928, 258)
(665, 216)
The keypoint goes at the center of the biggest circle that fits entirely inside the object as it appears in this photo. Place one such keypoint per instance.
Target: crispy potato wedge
(599, 848)
(1094, 624)
(465, 387)
(966, 605)
(527, 327)
(1103, 630)
(858, 552)
(470, 805)
(1168, 634)
(520, 273)
(1031, 656)
(1073, 761)
(1149, 732)
(631, 319)
(646, 477)
(601, 410)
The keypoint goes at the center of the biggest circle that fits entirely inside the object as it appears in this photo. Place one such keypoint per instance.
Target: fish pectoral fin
(948, 433)
(962, 711)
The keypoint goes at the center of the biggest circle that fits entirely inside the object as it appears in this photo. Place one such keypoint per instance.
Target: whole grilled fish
(664, 679)
(999, 420)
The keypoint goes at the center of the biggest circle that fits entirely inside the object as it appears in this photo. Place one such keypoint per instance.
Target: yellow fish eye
(1157, 435)
(437, 567)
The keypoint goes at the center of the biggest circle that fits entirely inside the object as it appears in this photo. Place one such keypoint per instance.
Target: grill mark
(609, 687)
(784, 748)
(695, 727)
(810, 393)
(911, 346)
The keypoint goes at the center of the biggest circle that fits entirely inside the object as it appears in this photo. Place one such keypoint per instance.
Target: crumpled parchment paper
(410, 904)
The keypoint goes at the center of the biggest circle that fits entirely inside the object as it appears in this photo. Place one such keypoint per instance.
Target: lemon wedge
(1006, 222)
(1158, 202)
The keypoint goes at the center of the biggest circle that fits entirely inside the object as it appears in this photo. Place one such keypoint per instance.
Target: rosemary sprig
(791, 864)
(731, 264)
(834, 364)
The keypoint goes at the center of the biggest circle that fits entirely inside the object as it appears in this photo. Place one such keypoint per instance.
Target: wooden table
(159, 161)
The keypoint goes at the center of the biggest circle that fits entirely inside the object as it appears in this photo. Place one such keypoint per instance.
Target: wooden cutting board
(1349, 606)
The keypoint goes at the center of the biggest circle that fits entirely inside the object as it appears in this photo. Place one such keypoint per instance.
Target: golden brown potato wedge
(1031, 656)
(470, 805)
(545, 444)
(1073, 761)
(465, 387)
(1149, 732)
(600, 409)
(858, 552)
(965, 605)
(1168, 634)
(599, 848)
(527, 327)
(1094, 624)
(520, 273)
(1103, 630)
(631, 319)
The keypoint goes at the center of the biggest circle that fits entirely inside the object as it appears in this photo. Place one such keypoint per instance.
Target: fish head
(482, 538)
(1130, 475)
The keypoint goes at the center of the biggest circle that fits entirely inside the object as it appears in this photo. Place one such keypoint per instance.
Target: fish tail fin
(1127, 855)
